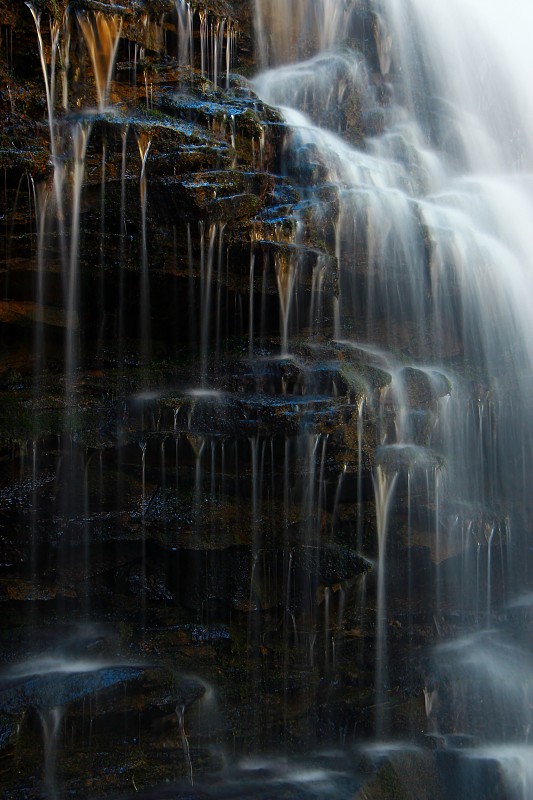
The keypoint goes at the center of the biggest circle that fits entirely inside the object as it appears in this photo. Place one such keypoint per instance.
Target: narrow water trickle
(384, 487)
(51, 719)
(80, 136)
(144, 143)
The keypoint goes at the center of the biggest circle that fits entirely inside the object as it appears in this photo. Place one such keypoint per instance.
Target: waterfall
(428, 145)
(266, 399)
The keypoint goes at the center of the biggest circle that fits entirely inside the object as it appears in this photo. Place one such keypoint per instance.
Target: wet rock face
(178, 482)
(406, 776)
(43, 691)
(188, 450)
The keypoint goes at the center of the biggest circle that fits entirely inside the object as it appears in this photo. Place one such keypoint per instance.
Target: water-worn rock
(405, 776)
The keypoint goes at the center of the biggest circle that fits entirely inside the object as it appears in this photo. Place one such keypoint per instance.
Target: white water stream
(434, 243)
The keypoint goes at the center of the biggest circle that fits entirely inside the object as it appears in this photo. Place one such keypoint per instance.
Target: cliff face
(187, 447)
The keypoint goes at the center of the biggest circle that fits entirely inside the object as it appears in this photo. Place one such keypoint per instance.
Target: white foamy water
(426, 143)
(439, 201)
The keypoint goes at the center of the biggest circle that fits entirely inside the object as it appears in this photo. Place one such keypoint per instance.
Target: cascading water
(436, 204)
(287, 439)
(434, 257)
